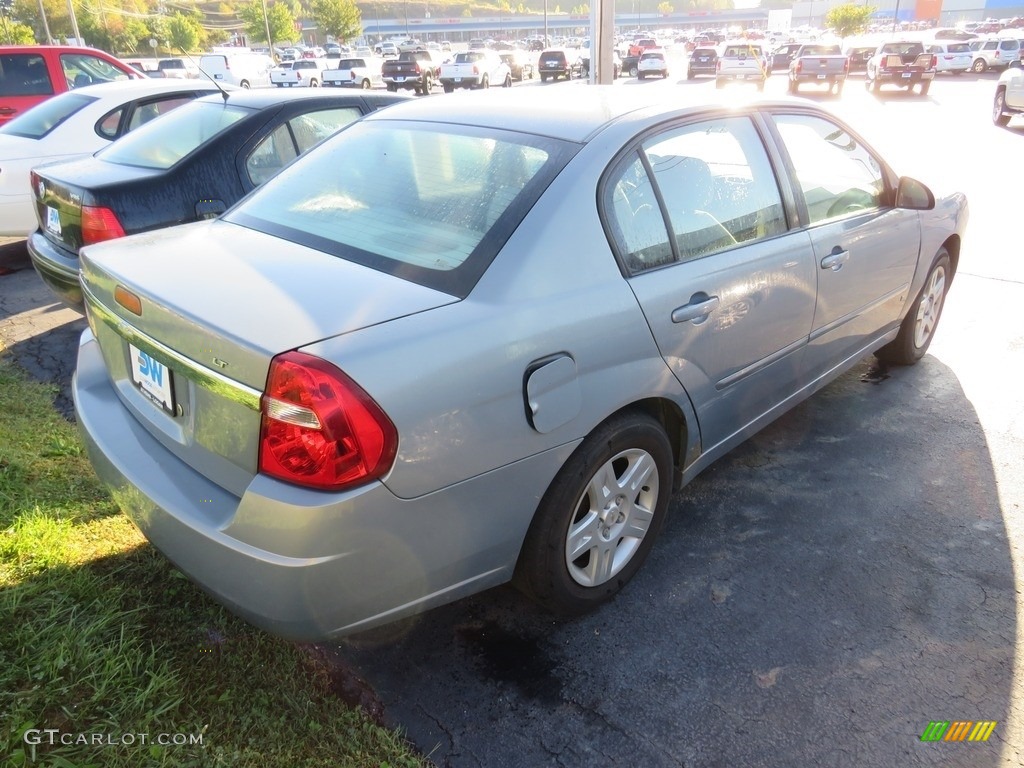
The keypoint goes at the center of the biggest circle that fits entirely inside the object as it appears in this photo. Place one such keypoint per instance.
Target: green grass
(101, 638)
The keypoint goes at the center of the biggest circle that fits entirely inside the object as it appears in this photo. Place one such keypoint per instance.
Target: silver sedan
(484, 338)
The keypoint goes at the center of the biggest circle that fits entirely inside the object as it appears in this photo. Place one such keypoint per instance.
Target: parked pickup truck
(304, 73)
(742, 61)
(903, 63)
(1009, 100)
(357, 72)
(475, 69)
(30, 74)
(819, 64)
(412, 69)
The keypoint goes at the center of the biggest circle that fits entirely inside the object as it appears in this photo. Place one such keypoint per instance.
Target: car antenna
(206, 74)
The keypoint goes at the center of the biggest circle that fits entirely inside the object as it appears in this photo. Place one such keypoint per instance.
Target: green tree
(339, 18)
(279, 16)
(16, 33)
(849, 19)
(183, 32)
(665, 8)
(466, 12)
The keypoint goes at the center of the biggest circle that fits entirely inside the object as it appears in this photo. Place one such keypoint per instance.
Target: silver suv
(1009, 100)
(994, 53)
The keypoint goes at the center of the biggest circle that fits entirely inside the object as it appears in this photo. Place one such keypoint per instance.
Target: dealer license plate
(53, 220)
(153, 378)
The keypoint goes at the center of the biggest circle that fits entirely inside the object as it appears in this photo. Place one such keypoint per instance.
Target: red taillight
(319, 428)
(99, 224)
(935, 62)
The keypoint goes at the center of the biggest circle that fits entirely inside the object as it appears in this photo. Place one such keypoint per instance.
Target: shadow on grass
(819, 596)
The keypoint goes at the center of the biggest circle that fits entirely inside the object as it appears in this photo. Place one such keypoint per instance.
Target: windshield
(44, 117)
(429, 203)
(162, 143)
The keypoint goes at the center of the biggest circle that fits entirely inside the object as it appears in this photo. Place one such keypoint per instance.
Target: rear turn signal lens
(320, 429)
(99, 224)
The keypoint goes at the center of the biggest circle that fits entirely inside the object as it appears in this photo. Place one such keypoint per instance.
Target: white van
(246, 70)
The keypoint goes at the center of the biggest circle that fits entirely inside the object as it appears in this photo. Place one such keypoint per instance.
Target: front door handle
(701, 305)
(836, 259)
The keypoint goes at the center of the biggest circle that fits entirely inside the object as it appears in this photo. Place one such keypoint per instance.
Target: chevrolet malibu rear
(312, 405)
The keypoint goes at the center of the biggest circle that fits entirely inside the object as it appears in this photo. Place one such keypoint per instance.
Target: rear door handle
(701, 305)
(836, 259)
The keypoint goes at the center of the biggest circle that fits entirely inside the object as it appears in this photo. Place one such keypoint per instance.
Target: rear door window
(292, 138)
(24, 74)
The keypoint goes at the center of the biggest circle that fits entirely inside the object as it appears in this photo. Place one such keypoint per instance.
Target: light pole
(895, 16)
(266, 26)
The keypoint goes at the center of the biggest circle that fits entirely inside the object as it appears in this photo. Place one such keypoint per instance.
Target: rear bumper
(57, 269)
(912, 78)
(302, 564)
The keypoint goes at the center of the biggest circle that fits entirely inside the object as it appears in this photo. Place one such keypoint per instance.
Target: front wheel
(365, 85)
(633, 71)
(314, 84)
(508, 82)
(918, 326)
(485, 82)
(999, 116)
(600, 516)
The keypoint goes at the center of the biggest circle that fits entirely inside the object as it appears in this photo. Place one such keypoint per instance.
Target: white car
(73, 125)
(652, 62)
(951, 56)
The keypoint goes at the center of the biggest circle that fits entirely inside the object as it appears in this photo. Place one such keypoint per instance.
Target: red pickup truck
(30, 74)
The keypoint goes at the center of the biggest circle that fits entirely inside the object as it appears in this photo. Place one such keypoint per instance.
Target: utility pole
(46, 24)
(74, 24)
(266, 26)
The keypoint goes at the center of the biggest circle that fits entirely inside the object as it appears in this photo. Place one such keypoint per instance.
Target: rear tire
(979, 66)
(599, 517)
(918, 328)
(508, 82)
(448, 88)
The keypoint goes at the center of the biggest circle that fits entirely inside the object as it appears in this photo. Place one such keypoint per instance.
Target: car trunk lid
(60, 192)
(189, 319)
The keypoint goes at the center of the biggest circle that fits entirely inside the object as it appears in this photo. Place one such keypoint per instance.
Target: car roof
(261, 98)
(571, 114)
(129, 89)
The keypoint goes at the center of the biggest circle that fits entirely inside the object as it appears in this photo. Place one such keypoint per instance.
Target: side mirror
(914, 195)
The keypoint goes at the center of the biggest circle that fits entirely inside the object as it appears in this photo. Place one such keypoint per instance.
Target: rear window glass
(44, 117)
(737, 51)
(164, 142)
(427, 203)
(24, 74)
(351, 63)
